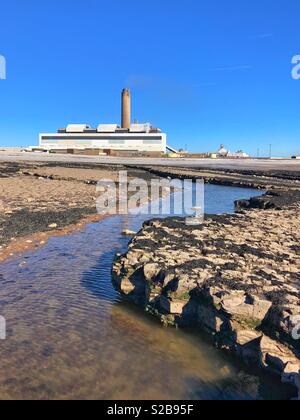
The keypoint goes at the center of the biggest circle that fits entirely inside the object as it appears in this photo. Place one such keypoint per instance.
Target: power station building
(108, 138)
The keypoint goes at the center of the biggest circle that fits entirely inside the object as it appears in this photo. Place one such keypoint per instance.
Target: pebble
(53, 226)
(128, 232)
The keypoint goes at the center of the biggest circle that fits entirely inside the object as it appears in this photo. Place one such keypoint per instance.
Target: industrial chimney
(126, 111)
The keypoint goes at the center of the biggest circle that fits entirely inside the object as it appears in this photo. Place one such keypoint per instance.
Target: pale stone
(246, 336)
(237, 305)
(277, 356)
(126, 287)
(127, 232)
(172, 307)
(52, 226)
(151, 271)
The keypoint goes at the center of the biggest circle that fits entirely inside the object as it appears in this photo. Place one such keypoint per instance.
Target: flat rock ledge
(235, 277)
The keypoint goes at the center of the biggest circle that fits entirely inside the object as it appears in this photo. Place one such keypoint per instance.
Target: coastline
(28, 225)
(222, 303)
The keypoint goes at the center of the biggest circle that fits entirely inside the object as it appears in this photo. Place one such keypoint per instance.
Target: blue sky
(206, 72)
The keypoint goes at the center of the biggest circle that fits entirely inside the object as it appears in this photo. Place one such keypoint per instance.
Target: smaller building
(238, 155)
(224, 153)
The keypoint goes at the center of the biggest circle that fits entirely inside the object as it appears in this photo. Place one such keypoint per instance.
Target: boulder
(276, 357)
(244, 337)
(238, 304)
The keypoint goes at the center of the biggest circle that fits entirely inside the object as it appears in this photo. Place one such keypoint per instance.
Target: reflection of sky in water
(213, 199)
(71, 336)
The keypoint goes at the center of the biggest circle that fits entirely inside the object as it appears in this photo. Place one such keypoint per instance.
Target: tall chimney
(126, 108)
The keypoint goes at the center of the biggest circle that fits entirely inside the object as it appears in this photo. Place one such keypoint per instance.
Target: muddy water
(70, 336)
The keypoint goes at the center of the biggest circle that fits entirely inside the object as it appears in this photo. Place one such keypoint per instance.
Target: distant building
(108, 138)
(239, 155)
(224, 153)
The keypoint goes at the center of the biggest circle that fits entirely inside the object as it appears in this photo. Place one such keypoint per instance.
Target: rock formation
(235, 277)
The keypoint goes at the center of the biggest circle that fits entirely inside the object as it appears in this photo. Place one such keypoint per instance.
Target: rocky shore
(236, 277)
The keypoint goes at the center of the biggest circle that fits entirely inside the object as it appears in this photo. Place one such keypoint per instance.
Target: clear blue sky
(206, 72)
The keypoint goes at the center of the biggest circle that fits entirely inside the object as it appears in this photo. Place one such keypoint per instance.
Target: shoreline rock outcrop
(236, 277)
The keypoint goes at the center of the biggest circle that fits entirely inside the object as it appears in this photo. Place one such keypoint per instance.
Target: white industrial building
(79, 137)
(132, 138)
